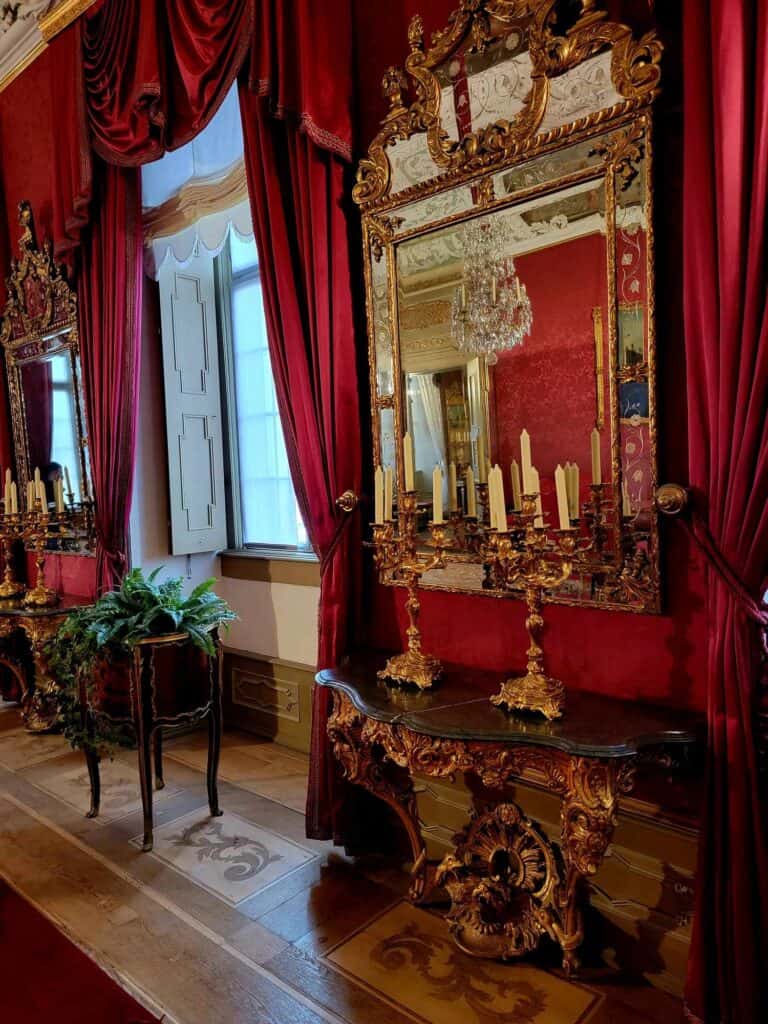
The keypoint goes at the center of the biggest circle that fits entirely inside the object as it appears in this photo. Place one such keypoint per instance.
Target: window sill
(272, 565)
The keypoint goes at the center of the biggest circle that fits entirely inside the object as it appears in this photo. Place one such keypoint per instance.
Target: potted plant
(89, 655)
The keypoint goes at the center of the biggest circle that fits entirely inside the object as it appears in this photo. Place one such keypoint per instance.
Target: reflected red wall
(547, 385)
(645, 656)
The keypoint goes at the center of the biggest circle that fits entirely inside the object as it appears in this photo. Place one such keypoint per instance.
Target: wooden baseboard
(270, 697)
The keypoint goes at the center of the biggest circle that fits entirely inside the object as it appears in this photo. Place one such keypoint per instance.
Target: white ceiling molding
(26, 28)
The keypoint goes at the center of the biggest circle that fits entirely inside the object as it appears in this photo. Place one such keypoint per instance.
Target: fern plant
(106, 631)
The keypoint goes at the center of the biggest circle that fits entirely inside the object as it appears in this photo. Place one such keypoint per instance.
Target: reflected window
(63, 433)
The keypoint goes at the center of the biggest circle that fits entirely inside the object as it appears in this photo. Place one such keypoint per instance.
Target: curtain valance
(156, 73)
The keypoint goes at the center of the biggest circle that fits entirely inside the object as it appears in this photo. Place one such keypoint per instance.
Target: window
(264, 510)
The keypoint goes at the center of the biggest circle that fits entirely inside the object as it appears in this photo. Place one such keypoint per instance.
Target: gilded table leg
(590, 801)
(363, 766)
(39, 706)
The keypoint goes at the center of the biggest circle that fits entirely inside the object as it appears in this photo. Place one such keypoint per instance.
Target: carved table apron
(37, 626)
(509, 885)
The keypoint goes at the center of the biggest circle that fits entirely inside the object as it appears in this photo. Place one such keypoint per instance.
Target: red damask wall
(650, 657)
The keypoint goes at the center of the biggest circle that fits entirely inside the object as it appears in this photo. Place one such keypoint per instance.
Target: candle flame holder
(396, 552)
(527, 555)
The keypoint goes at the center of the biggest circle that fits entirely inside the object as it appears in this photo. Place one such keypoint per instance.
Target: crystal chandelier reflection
(491, 309)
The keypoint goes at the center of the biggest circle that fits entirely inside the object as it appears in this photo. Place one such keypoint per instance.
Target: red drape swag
(726, 333)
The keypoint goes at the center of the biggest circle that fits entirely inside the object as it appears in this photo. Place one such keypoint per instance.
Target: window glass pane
(269, 509)
(242, 251)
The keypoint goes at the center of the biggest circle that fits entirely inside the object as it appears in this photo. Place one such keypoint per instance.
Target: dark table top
(592, 725)
(67, 603)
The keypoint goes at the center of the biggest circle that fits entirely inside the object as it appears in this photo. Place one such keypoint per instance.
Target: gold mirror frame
(39, 320)
(414, 94)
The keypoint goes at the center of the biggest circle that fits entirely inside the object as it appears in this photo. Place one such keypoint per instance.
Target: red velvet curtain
(725, 285)
(297, 193)
(110, 315)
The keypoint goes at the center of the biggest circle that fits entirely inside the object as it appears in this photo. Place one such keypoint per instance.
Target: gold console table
(24, 632)
(509, 884)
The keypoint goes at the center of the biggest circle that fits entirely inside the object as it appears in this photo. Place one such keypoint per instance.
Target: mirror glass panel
(52, 417)
(468, 407)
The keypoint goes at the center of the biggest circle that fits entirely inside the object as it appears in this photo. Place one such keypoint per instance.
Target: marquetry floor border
(172, 908)
(586, 1017)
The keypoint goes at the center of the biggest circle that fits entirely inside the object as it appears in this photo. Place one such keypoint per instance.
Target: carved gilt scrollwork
(475, 26)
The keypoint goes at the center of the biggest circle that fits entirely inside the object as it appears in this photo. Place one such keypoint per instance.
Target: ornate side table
(24, 632)
(165, 682)
(508, 883)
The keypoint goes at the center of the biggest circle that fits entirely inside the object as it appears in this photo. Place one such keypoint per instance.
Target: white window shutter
(192, 406)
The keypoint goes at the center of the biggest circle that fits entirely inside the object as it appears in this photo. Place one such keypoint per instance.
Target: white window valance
(195, 195)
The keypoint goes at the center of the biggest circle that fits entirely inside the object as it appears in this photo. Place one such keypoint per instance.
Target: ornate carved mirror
(42, 356)
(508, 242)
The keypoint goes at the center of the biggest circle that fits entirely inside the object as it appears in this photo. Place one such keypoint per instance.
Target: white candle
(482, 466)
(408, 461)
(378, 495)
(388, 489)
(514, 472)
(517, 282)
(437, 495)
(596, 466)
(463, 298)
(561, 489)
(30, 496)
(471, 497)
(525, 457)
(67, 481)
(37, 477)
(14, 498)
(493, 289)
(42, 496)
(7, 491)
(59, 494)
(498, 499)
(452, 488)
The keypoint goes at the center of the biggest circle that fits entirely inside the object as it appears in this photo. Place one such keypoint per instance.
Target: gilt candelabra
(396, 551)
(525, 554)
(36, 526)
(11, 529)
(39, 526)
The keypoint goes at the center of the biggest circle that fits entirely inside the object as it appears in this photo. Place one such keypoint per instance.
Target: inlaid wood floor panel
(242, 918)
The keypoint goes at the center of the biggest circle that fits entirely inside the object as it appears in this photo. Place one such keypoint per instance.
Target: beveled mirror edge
(474, 158)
